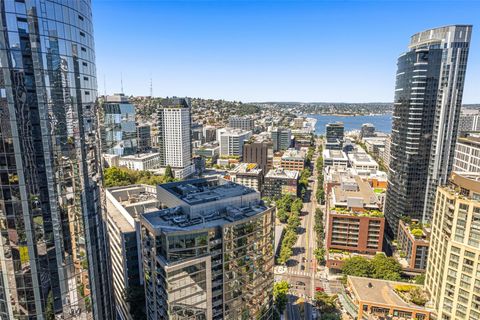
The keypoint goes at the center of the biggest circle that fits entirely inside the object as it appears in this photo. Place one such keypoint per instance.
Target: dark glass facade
(52, 248)
(428, 96)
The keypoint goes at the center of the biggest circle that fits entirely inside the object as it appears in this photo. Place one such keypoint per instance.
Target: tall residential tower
(428, 96)
(174, 136)
(52, 245)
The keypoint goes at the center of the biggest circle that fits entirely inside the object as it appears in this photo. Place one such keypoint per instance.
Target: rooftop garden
(379, 190)
(417, 229)
(411, 294)
(365, 213)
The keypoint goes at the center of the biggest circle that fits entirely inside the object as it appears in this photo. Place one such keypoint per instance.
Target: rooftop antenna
(104, 86)
(151, 88)
(121, 82)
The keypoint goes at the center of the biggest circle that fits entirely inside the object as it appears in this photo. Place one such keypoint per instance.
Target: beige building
(453, 269)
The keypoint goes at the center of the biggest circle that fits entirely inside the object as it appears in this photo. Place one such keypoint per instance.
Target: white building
(141, 161)
(362, 162)
(467, 154)
(232, 140)
(174, 136)
(335, 158)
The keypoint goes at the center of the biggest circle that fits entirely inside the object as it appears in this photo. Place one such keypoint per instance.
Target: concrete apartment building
(232, 140)
(412, 246)
(453, 277)
(124, 205)
(194, 252)
(249, 175)
(174, 136)
(278, 182)
(243, 123)
(467, 153)
(354, 220)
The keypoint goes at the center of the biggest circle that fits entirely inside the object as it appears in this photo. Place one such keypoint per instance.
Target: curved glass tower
(52, 246)
(428, 98)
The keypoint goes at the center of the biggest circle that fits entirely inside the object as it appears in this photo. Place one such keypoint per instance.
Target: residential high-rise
(124, 205)
(53, 248)
(428, 97)
(467, 153)
(281, 139)
(334, 134)
(232, 140)
(174, 136)
(209, 254)
(118, 127)
(452, 277)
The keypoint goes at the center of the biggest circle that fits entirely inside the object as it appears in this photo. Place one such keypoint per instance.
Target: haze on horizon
(268, 51)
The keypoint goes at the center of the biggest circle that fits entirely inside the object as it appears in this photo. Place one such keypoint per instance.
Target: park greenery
(379, 267)
(280, 291)
(120, 176)
(288, 211)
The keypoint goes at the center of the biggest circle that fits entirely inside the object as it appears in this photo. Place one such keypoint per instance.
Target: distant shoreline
(348, 114)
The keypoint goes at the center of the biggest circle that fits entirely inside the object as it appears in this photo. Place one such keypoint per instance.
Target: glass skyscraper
(52, 246)
(428, 97)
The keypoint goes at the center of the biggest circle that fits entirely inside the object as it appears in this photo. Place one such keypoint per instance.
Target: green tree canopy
(386, 268)
(280, 291)
(357, 266)
(324, 302)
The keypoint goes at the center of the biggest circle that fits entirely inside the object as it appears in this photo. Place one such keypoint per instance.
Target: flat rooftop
(247, 168)
(334, 154)
(380, 292)
(175, 219)
(293, 154)
(361, 158)
(354, 187)
(282, 174)
(199, 191)
(141, 156)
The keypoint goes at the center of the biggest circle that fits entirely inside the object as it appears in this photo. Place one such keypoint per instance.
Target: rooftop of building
(360, 157)
(471, 138)
(383, 292)
(334, 154)
(199, 191)
(417, 231)
(335, 124)
(354, 192)
(466, 184)
(140, 156)
(129, 202)
(175, 102)
(233, 131)
(247, 168)
(280, 173)
(293, 154)
(116, 98)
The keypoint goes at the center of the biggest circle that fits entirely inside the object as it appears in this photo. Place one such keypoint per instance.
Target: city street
(301, 269)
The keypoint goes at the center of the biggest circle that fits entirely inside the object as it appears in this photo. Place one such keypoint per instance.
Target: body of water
(382, 122)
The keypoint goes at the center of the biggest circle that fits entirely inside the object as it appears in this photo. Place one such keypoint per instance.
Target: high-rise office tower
(281, 139)
(428, 96)
(334, 134)
(118, 126)
(232, 140)
(144, 138)
(453, 277)
(174, 136)
(243, 123)
(259, 152)
(52, 245)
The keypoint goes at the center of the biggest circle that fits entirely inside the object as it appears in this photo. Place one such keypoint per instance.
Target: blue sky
(336, 51)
